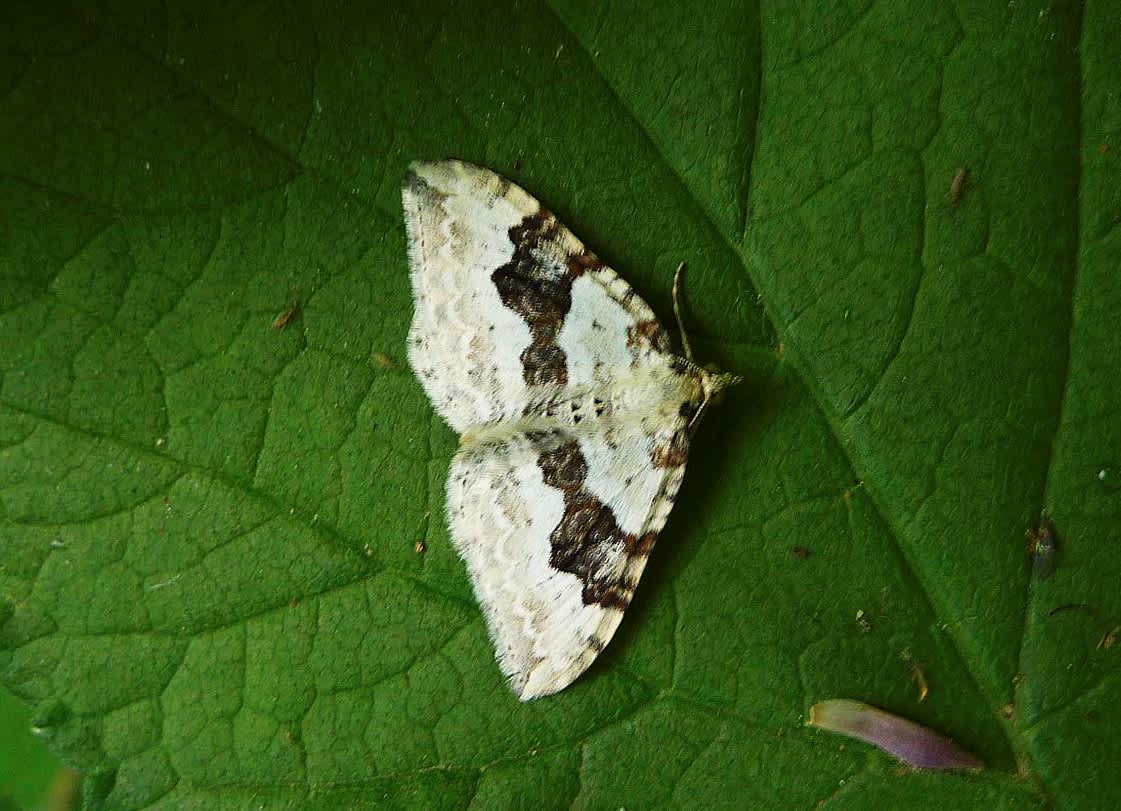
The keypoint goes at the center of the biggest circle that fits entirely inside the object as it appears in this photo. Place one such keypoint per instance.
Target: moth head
(709, 383)
(713, 382)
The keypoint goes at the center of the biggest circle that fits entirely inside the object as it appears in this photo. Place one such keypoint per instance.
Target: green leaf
(26, 766)
(209, 591)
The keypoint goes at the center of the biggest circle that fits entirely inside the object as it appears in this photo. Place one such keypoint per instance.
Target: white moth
(573, 413)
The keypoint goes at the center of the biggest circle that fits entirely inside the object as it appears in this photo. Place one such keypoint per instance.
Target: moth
(574, 415)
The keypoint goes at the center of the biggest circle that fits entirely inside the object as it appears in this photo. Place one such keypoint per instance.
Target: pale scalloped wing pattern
(464, 344)
(545, 636)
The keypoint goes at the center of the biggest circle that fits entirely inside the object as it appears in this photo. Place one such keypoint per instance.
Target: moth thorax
(657, 391)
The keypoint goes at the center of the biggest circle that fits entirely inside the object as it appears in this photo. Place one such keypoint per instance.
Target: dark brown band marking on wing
(580, 263)
(540, 290)
(606, 595)
(539, 294)
(671, 453)
(650, 333)
(588, 529)
(640, 545)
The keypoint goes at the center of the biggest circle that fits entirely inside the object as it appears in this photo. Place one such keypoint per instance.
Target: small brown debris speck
(1109, 638)
(957, 185)
(1042, 548)
(420, 547)
(801, 552)
(384, 361)
(918, 675)
(920, 679)
(1103, 149)
(285, 317)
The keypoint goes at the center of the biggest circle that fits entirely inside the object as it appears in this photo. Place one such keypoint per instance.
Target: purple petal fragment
(912, 743)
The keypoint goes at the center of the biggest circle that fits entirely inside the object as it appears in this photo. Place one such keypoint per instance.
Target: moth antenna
(677, 312)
